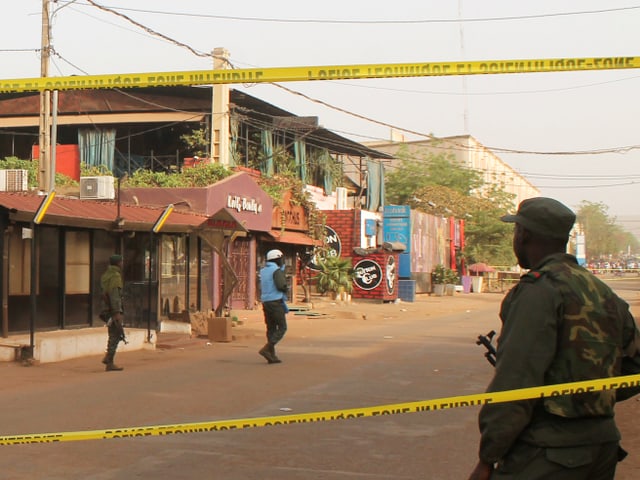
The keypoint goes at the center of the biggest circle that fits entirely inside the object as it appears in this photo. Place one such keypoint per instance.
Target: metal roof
(109, 106)
(97, 214)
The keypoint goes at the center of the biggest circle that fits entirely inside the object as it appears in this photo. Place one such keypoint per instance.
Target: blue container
(407, 290)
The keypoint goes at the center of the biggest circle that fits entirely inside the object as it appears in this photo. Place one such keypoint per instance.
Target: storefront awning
(295, 238)
(225, 221)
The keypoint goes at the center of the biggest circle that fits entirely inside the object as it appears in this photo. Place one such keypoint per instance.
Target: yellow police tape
(391, 409)
(327, 72)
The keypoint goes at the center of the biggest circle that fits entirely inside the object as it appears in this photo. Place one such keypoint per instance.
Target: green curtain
(300, 151)
(375, 185)
(233, 145)
(266, 166)
(326, 162)
(97, 146)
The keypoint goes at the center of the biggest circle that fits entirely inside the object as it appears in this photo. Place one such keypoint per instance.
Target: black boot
(266, 353)
(272, 351)
(109, 365)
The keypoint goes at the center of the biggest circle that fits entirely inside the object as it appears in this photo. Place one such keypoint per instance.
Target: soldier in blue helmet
(273, 297)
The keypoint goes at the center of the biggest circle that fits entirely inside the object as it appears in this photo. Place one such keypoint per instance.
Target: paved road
(399, 353)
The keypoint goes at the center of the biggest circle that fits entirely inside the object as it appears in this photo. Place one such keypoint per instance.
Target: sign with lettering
(332, 244)
(290, 215)
(243, 204)
(368, 274)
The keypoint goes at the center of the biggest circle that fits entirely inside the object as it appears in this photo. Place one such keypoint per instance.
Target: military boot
(272, 351)
(112, 367)
(266, 353)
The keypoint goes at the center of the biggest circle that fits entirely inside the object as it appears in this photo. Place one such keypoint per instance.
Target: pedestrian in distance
(560, 324)
(273, 295)
(111, 284)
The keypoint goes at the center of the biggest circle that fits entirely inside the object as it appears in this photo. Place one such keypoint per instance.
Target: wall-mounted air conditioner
(97, 188)
(341, 198)
(14, 180)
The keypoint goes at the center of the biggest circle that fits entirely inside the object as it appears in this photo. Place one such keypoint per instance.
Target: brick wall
(377, 276)
(347, 225)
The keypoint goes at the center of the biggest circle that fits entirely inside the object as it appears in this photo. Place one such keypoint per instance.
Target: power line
(363, 117)
(481, 94)
(19, 50)
(461, 147)
(368, 22)
(150, 30)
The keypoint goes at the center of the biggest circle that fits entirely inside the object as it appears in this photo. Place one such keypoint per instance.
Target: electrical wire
(150, 30)
(459, 146)
(486, 94)
(19, 50)
(623, 149)
(371, 22)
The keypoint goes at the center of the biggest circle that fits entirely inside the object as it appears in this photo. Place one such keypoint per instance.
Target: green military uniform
(111, 284)
(560, 324)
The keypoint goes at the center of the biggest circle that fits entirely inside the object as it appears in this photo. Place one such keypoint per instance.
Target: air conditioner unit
(341, 198)
(97, 188)
(14, 180)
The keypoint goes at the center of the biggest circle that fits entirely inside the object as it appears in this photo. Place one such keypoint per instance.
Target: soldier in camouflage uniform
(111, 284)
(560, 324)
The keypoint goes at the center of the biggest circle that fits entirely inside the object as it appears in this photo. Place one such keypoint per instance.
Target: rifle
(107, 317)
(120, 328)
(486, 340)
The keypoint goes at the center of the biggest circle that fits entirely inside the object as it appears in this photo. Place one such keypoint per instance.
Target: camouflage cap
(544, 216)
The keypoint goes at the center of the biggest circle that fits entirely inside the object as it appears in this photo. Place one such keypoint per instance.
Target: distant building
(469, 152)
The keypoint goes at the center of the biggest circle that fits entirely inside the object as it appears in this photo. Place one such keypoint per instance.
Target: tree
(414, 174)
(603, 237)
(197, 141)
(439, 186)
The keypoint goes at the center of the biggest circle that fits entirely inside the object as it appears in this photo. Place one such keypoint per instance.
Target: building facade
(469, 152)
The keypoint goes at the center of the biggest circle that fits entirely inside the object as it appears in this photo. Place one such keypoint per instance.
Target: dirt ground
(432, 306)
(335, 356)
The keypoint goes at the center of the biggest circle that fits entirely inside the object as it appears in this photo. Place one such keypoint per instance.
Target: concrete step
(62, 345)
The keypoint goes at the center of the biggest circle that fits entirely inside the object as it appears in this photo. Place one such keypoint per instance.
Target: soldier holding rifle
(111, 283)
(560, 324)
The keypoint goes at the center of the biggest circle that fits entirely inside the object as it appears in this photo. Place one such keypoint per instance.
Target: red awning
(296, 238)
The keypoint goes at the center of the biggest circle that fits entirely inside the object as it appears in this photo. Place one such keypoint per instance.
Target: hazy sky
(546, 113)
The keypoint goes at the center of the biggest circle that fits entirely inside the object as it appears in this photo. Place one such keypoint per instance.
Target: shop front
(290, 234)
(236, 259)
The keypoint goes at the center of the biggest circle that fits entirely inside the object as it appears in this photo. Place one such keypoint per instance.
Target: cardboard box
(219, 329)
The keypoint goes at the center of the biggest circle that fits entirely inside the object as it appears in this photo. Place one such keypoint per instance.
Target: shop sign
(368, 274)
(243, 204)
(332, 242)
(390, 274)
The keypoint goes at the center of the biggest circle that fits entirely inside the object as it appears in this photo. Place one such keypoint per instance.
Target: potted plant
(335, 276)
(439, 279)
(451, 280)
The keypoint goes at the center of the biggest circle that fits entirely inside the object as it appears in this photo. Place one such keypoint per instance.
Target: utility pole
(44, 143)
(220, 111)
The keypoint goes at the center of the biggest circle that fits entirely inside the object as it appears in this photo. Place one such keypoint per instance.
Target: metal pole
(149, 288)
(40, 213)
(45, 103)
(54, 140)
(34, 291)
